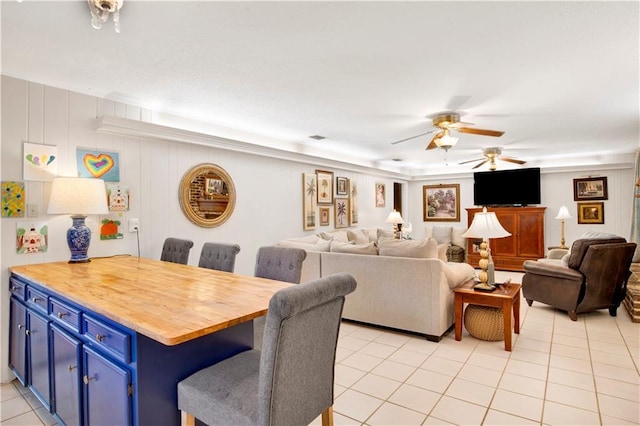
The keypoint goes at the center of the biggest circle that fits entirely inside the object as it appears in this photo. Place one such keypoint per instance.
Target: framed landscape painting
(591, 188)
(441, 202)
(591, 213)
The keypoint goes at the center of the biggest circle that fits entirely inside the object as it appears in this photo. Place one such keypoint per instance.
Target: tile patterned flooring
(560, 372)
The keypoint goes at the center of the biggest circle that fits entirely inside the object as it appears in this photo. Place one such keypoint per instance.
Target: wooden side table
(505, 296)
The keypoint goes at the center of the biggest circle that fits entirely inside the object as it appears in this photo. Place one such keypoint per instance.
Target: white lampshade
(394, 217)
(447, 141)
(485, 225)
(563, 213)
(78, 196)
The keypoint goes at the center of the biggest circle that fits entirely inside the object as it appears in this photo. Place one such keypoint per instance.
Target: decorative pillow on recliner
(424, 249)
(341, 247)
(442, 234)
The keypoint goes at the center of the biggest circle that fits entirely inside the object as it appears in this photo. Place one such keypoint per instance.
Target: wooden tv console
(526, 226)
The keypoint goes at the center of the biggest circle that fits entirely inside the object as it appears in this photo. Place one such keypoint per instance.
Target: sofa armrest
(553, 270)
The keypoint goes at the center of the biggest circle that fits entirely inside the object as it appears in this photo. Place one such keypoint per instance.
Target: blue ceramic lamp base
(78, 239)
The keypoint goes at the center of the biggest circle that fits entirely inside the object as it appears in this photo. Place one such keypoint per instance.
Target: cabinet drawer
(17, 288)
(65, 314)
(37, 300)
(107, 337)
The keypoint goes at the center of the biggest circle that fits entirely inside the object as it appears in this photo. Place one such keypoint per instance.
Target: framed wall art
(353, 197)
(591, 213)
(381, 194)
(39, 162)
(441, 202)
(591, 188)
(342, 186)
(13, 199)
(325, 186)
(309, 190)
(325, 216)
(98, 164)
(341, 212)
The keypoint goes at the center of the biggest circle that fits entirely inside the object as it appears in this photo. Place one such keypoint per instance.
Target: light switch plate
(32, 210)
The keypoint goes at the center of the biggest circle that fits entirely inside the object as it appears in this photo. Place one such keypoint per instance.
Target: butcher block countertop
(167, 302)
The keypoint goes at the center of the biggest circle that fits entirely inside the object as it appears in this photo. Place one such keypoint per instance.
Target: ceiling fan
(491, 155)
(443, 124)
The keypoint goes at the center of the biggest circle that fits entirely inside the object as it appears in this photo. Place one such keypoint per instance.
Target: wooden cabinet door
(507, 246)
(67, 377)
(38, 356)
(530, 235)
(106, 391)
(18, 340)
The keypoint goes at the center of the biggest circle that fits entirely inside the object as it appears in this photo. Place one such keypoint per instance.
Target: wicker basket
(484, 322)
(455, 254)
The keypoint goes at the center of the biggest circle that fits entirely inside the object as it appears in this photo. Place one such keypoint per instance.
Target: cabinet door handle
(20, 326)
(27, 332)
(87, 379)
(36, 299)
(70, 368)
(13, 288)
(99, 337)
(62, 314)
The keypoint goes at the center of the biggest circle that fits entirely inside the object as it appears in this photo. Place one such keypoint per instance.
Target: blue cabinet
(38, 356)
(66, 376)
(107, 389)
(18, 339)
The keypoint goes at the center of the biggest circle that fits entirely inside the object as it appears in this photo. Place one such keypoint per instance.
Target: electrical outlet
(32, 210)
(133, 225)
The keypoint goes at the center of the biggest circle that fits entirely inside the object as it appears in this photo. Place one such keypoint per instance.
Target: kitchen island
(106, 342)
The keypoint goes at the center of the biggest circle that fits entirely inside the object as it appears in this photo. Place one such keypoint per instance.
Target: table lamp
(395, 218)
(485, 225)
(78, 197)
(563, 214)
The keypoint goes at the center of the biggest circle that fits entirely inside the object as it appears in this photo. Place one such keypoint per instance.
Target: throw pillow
(358, 236)
(442, 234)
(425, 249)
(321, 245)
(383, 234)
(335, 235)
(342, 247)
(442, 252)
(456, 237)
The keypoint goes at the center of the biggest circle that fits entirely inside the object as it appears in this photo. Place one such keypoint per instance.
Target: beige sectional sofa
(409, 287)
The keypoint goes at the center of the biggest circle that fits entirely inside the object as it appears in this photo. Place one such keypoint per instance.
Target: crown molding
(145, 130)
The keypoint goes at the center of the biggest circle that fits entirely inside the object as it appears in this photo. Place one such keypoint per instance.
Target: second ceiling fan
(446, 122)
(491, 155)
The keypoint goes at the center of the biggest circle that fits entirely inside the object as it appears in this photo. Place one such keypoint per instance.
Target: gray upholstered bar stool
(219, 256)
(289, 382)
(176, 250)
(276, 263)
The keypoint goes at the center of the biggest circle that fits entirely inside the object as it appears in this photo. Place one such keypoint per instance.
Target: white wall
(269, 193)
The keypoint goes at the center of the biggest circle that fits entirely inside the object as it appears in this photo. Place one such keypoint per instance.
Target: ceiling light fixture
(100, 10)
(446, 141)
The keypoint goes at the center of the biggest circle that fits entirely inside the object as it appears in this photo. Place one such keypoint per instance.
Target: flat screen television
(516, 187)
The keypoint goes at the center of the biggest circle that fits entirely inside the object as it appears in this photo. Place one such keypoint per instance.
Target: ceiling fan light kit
(100, 11)
(491, 155)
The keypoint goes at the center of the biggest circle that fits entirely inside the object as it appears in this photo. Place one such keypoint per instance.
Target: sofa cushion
(427, 248)
(320, 245)
(358, 236)
(334, 235)
(458, 273)
(442, 252)
(342, 247)
(442, 234)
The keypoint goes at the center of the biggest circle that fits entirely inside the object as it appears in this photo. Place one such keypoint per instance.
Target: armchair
(594, 276)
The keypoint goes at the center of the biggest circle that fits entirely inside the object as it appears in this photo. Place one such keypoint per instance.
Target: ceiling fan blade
(512, 160)
(471, 161)
(459, 124)
(485, 161)
(483, 132)
(433, 144)
(413, 137)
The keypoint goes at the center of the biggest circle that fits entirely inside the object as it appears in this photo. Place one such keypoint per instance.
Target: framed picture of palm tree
(353, 197)
(325, 186)
(325, 216)
(309, 190)
(341, 210)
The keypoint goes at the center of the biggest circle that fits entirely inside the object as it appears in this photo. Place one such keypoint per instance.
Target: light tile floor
(560, 372)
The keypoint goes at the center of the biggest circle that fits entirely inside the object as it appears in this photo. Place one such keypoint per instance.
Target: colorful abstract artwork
(98, 164)
(40, 162)
(110, 229)
(12, 199)
(32, 237)
(118, 197)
